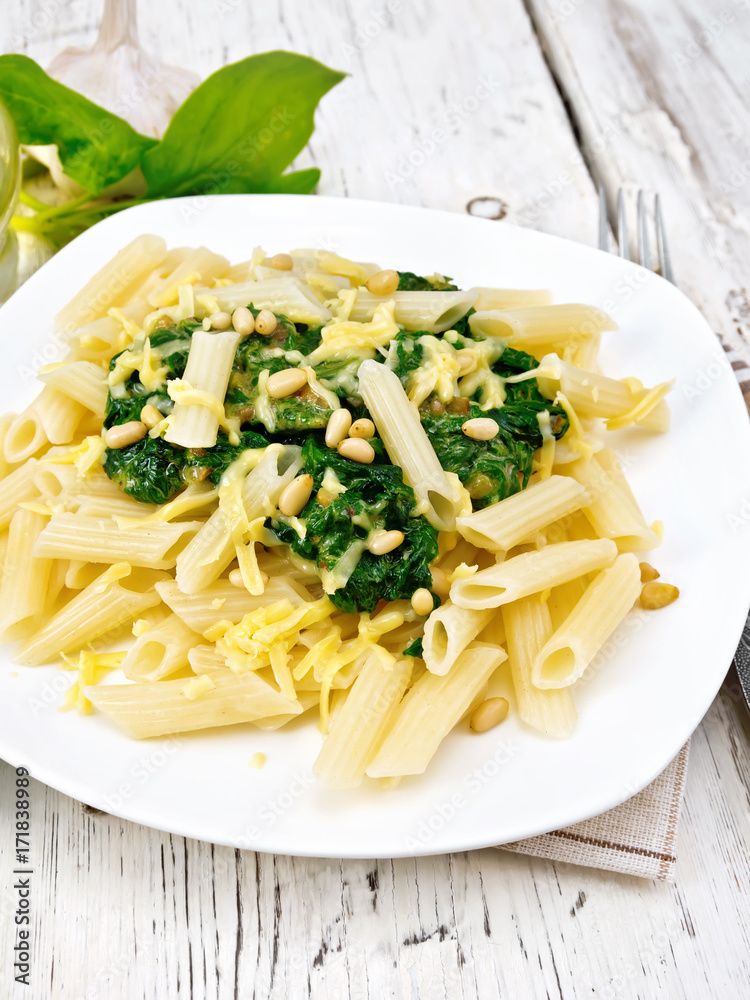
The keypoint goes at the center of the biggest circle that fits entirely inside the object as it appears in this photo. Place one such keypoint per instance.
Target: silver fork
(664, 262)
(664, 267)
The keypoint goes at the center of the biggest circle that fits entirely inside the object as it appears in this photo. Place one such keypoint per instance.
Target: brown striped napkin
(635, 838)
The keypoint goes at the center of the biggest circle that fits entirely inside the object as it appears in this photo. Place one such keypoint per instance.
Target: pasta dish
(304, 484)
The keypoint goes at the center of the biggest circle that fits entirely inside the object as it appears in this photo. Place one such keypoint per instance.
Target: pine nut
(383, 282)
(324, 498)
(338, 427)
(357, 449)
(243, 321)
(489, 714)
(440, 582)
(150, 416)
(220, 321)
(465, 360)
(121, 435)
(384, 541)
(235, 578)
(285, 383)
(281, 262)
(422, 601)
(362, 428)
(481, 428)
(648, 573)
(294, 496)
(658, 595)
(265, 323)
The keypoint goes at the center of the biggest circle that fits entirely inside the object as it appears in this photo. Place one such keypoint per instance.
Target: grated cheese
(197, 687)
(345, 335)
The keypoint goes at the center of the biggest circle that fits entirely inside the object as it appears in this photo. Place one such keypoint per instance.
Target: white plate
(635, 711)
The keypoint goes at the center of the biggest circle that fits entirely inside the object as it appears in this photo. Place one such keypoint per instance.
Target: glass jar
(10, 185)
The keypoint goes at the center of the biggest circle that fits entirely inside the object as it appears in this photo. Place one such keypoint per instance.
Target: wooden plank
(667, 88)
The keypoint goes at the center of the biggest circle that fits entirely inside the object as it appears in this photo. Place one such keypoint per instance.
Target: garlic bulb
(118, 75)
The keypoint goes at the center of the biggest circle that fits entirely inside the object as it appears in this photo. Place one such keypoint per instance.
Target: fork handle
(742, 661)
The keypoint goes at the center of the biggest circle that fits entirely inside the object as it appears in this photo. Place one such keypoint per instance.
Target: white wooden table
(535, 103)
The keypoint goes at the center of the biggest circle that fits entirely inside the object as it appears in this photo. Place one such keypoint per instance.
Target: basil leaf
(298, 182)
(240, 128)
(96, 148)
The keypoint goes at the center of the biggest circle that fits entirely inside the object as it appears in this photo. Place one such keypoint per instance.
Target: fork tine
(665, 258)
(622, 227)
(603, 221)
(643, 247)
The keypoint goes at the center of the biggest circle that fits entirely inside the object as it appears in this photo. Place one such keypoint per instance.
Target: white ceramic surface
(647, 693)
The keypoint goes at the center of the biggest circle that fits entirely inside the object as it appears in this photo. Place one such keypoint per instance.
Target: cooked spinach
(410, 282)
(406, 354)
(490, 470)
(376, 497)
(286, 348)
(151, 470)
(495, 469)
(155, 471)
(414, 648)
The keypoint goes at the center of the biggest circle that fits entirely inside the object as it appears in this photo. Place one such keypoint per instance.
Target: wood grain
(125, 912)
(669, 84)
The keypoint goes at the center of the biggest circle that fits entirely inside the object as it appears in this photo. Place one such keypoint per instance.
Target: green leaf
(298, 182)
(241, 128)
(96, 147)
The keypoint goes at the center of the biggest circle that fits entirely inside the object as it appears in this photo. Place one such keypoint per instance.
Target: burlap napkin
(636, 838)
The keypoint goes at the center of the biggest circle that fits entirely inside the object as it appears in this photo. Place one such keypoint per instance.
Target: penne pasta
(510, 298)
(212, 549)
(306, 699)
(80, 574)
(98, 540)
(532, 572)
(113, 284)
(519, 517)
(84, 382)
(18, 487)
(440, 497)
(566, 654)
(25, 577)
(527, 628)
(361, 724)
(186, 266)
(100, 505)
(535, 326)
(432, 707)
(148, 710)
(594, 395)
(24, 437)
(448, 632)
(195, 419)
(222, 601)
(612, 512)
(203, 659)
(281, 295)
(116, 596)
(432, 312)
(160, 651)
(59, 415)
